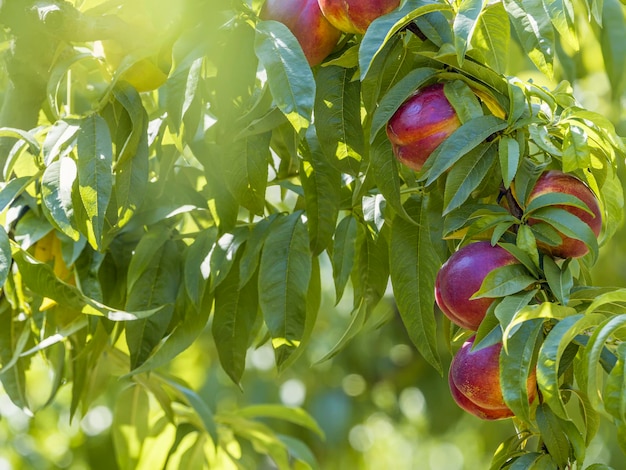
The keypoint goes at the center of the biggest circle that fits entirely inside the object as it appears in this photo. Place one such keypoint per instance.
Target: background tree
(211, 256)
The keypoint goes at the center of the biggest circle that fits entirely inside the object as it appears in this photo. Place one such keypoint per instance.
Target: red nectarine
(420, 125)
(354, 16)
(461, 277)
(304, 18)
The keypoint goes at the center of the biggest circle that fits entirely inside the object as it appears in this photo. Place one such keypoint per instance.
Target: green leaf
(559, 279)
(199, 406)
(153, 281)
(196, 269)
(464, 25)
(180, 338)
(569, 225)
(515, 367)
(13, 338)
(95, 178)
(290, 414)
(593, 352)
(508, 307)
(552, 435)
(358, 317)
(130, 425)
(546, 310)
(492, 36)
(56, 195)
(223, 254)
(245, 171)
(12, 189)
(181, 87)
(5, 256)
(463, 100)
(252, 249)
(561, 14)
(384, 167)
(61, 134)
(505, 280)
(613, 43)
(397, 95)
(550, 354)
(236, 309)
(509, 153)
(576, 153)
(338, 116)
(533, 27)
(413, 267)
(556, 199)
(288, 73)
(370, 273)
(615, 388)
(464, 139)
(321, 184)
(466, 175)
(284, 275)
(343, 254)
(525, 461)
(385, 27)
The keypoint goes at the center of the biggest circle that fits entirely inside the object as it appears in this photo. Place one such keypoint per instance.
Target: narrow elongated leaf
(550, 354)
(61, 134)
(130, 425)
(384, 28)
(5, 256)
(338, 116)
(413, 267)
(466, 175)
(151, 286)
(95, 178)
(505, 280)
(284, 274)
(492, 36)
(358, 318)
(12, 190)
(546, 310)
(370, 273)
(509, 153)
(559, 280)
(245, 170)
(233, 322)
(292, 415)
(613, 42)
(313, 302)
(252, 249)
(56, 194)
(464, 139)
(569, 225)
(464, 25)
(343, 253)
(593, 353)
(615, 388)
(555, 198)
(289, 76)
(533, 27)
(385, 169)
(561, 14)
(13, 338)
(552, 435)
(515, 367)
(321, 184)
(181, 87)
(463, 100)
(181, 337)
(196, 264)
(576, 152)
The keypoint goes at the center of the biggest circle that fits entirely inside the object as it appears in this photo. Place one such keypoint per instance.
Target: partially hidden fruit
(556, 181)
(354, 16)
(144, 74)
(461, 277)
(474, 380)
(316, 35)
(420, 125)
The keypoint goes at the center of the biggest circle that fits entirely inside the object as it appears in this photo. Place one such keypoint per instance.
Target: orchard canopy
(239, 234)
